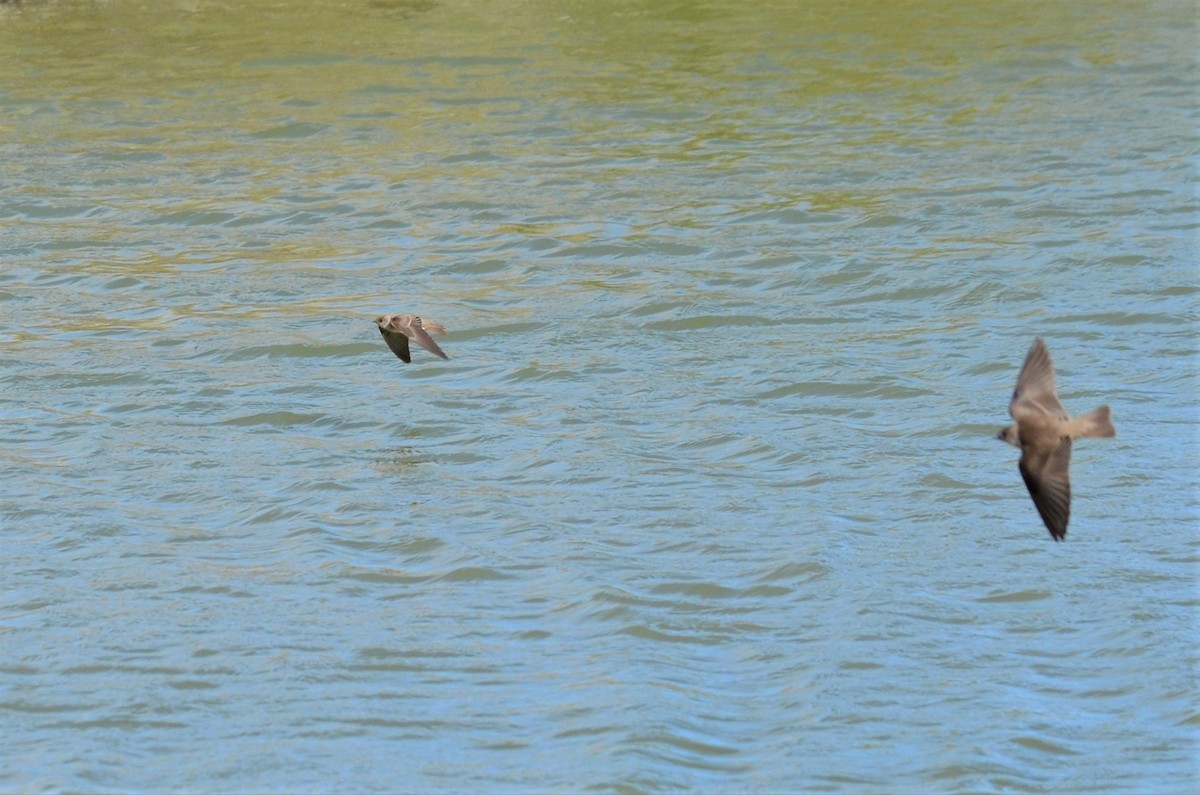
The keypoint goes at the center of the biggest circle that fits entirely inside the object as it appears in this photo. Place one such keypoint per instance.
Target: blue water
(707, 496)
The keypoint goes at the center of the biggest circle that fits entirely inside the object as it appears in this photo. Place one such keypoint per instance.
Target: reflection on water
(708, 496)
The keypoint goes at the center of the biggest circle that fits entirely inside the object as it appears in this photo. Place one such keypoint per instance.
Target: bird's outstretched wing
(422, 337)
(1036, 391)
(1047, 477)
(397, 342)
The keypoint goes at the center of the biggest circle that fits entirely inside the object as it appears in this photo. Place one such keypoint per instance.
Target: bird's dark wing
(398, 343)
(1049, 483)
(1036, 390)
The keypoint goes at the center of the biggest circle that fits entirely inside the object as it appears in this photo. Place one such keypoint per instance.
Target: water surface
(708, 495)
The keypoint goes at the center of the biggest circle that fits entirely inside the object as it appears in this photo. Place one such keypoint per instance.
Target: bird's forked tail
(1097, 422)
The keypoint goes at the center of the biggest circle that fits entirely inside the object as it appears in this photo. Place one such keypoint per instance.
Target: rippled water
(707, 496)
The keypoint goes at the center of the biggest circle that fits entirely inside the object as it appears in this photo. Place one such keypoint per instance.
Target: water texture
(707, 496)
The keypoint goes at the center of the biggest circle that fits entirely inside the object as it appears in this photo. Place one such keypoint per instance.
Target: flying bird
(398, 329)
(1044, 432)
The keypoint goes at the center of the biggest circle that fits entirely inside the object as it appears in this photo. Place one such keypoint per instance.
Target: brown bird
(398, 329)
(1044, 432)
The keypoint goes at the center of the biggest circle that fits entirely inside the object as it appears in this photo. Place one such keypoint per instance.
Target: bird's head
(1010, 435)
